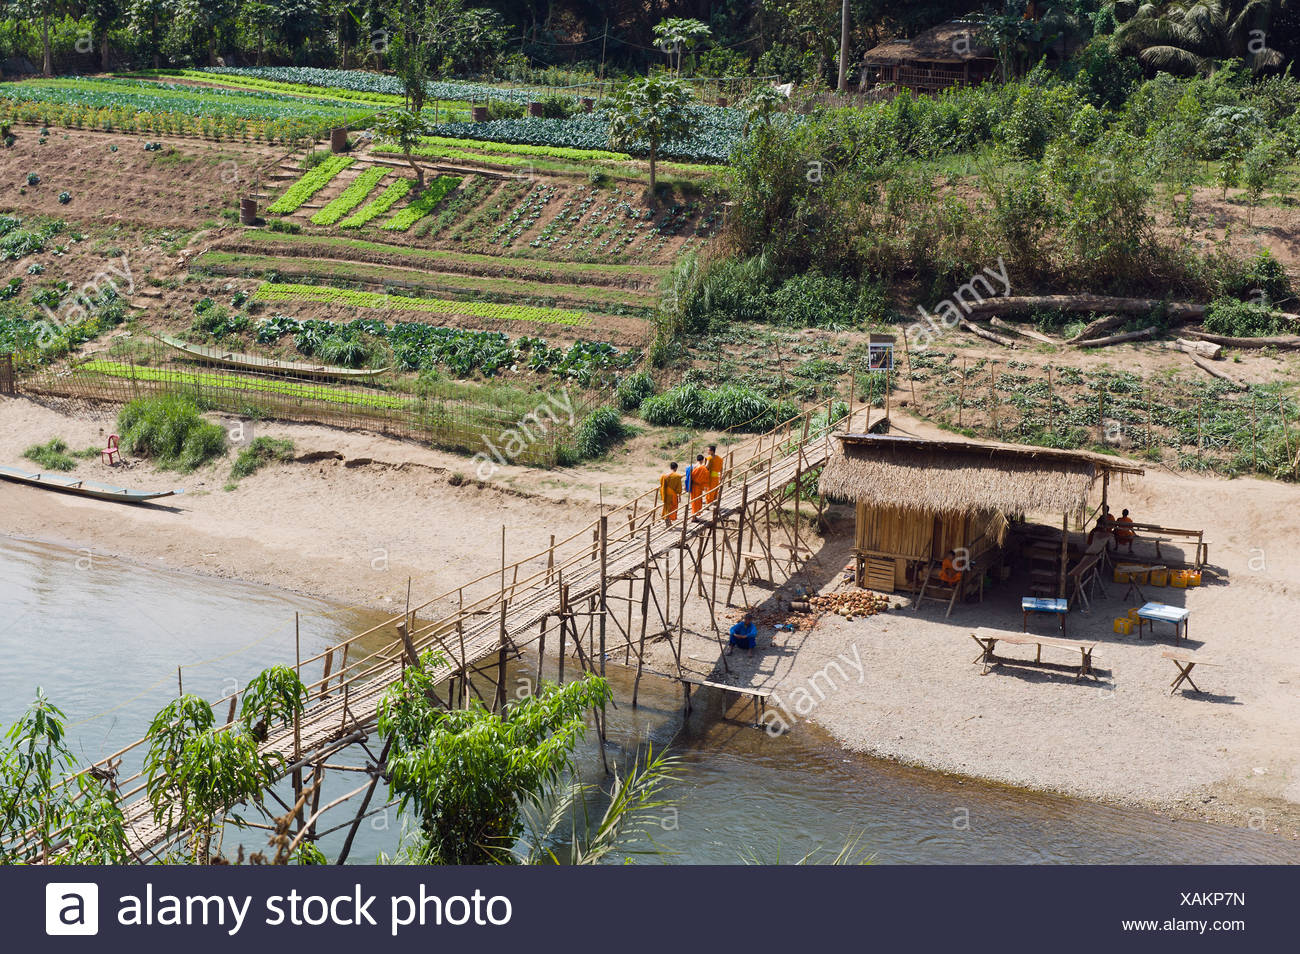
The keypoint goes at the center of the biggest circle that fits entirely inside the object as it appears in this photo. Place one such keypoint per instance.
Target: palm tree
(1195, 36)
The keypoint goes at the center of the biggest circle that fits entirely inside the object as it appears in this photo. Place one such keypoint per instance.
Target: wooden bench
(988, 639)
(1158, 534)
(1186, 662)
(759, 696)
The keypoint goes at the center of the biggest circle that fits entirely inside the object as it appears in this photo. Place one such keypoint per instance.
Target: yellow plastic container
(1193, 577)
(1178, 579)
(1133, 615)
(1159, 577)
(1124, 626)
(1121, 577)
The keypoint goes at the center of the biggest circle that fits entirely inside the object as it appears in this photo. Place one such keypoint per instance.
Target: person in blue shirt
(744, 634)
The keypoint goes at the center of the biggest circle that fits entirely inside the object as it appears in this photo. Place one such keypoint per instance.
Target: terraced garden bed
(637, 276)
(331, 271)
(279, 292)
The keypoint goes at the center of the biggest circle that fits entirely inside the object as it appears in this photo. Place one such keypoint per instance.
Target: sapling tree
(469, 773)
(653, 110)
(403, 128)
(45, 811)
(196, 772)
(676, 35)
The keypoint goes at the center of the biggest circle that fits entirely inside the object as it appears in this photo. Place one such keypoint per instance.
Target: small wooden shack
(917, 499)
(951, 54)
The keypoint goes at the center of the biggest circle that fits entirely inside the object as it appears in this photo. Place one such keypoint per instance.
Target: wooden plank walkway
(337, 716)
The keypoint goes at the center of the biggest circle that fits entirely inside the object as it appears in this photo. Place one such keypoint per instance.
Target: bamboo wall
(909, 535)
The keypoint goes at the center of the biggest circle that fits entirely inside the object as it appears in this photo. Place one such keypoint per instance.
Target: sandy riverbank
(357, 514)
(912, 692)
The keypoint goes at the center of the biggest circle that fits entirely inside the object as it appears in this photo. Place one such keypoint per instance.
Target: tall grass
(171, 431)
(52, 455)
(599, 431)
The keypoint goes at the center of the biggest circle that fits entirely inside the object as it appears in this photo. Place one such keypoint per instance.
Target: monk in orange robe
(699, 484)
(670, 492)
(714, 463)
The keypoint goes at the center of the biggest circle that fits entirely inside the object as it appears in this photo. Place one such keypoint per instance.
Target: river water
(104, 639)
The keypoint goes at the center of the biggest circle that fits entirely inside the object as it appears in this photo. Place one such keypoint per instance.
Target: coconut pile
(851, 604)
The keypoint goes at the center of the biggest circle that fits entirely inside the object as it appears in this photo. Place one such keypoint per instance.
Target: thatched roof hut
(917, 499)
(950, 54)
(912, 474)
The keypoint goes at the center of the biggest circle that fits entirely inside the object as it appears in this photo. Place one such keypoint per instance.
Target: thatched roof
(953, 42)
(909, 473)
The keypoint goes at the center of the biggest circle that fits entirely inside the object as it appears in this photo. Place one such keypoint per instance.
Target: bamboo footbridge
(620, 584)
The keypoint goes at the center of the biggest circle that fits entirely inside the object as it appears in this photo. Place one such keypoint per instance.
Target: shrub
(263, 451)
(282, 225)
(170, 430)
(1240, 319)
(52, 455)
(558, 106)
(634, 389)
(813, 300)
(599, 431)
(731, 407)
(503, 109)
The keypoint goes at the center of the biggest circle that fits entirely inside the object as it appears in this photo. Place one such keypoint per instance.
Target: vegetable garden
(452, 415)
(278, 292)
(141, 106)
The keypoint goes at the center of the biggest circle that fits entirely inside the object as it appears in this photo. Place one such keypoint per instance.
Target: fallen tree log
(1105, 323)
(997, 322)
(985, 333)
(1115, 339)
(1179, 310)
(1216, 373)
(1290, 342)
(1205, 349)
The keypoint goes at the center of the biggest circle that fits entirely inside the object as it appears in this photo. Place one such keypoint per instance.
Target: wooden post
(1051, 403)
(499, 703)
(503, 561)
(1065, 551)
(1200, 437)
(564, 608)
(604, 582)
(993, 397)
(961, 398)
(1254, 459)
(325, 681)
(1101, 415)
(1286, 428)
(645, 615)
(740, 541)
(550, 559)
(911, 378)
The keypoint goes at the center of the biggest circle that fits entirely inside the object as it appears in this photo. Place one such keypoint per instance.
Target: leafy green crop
(273, 291)
(311, 183)
(437, 191)
(350, 197)
(379, 205)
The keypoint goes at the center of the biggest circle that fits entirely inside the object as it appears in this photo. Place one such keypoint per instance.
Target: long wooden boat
(82, 488)
(253, 362)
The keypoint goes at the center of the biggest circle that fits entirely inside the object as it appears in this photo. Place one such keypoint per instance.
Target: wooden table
(1152, 613)
(1038, 604)
(987, 640)
(1132, 569)
(1186, 662)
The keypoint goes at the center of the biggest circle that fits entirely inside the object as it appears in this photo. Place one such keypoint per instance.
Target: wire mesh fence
(460, 416)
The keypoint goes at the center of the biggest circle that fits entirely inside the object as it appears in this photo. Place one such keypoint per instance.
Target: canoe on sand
(82, 488)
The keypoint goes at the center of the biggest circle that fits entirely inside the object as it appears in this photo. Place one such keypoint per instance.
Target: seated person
(949, 575)
(1124, 532)
(1105, 524)
(744, 634)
